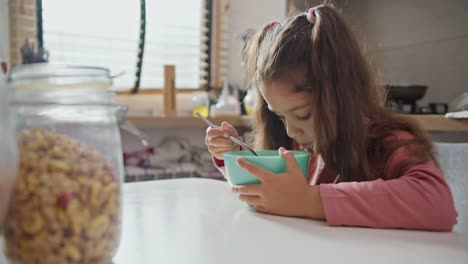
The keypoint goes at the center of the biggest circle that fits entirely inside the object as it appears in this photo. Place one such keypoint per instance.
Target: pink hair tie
(272, 26)
(312, 15)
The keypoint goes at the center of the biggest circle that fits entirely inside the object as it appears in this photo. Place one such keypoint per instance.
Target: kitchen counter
(429, 122)
(199, 221)
(441, 123)
(146, 121)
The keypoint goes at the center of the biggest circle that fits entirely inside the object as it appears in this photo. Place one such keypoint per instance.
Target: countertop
(429, 122)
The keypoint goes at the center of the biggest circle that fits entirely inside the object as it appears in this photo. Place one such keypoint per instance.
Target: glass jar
(8, 153)
(66, 203)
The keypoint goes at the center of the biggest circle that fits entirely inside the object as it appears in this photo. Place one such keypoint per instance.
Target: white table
(199, 221)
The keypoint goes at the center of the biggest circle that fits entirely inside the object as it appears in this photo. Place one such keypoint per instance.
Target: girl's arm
(419, 199)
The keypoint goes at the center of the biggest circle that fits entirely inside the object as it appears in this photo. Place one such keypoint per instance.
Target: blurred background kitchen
(170, 58)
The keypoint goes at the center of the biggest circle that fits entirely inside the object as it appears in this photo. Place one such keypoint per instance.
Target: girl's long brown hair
(354, 131)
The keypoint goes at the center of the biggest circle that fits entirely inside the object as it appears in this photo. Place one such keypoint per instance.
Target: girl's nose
(292, 131)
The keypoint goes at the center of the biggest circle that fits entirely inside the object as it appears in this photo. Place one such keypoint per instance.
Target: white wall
(4, 31)
(418, 41)
(245, 14)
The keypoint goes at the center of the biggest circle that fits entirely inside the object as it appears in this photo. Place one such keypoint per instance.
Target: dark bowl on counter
(406, 92)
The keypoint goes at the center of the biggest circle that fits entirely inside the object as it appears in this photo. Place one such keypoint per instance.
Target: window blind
(188, 34)
(191, 35)
(173, 37)
(101, 33)
(218, 43)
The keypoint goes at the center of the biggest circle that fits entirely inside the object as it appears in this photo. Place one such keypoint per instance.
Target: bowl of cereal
(267, 159)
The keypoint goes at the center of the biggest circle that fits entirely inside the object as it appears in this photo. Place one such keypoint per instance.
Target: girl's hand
(218, 142)
(286, 194)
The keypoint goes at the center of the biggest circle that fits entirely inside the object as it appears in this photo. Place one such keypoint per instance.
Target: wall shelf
(145, 121)
(429, 122)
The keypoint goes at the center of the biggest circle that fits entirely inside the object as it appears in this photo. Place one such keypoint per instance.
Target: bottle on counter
(228, 105)
(200, 103)
(249, 101)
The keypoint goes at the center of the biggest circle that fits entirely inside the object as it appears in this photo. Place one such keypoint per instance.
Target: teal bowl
(267, 159)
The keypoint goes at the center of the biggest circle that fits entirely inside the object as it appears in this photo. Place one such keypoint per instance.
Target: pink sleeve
(220, 166)
(419, 199)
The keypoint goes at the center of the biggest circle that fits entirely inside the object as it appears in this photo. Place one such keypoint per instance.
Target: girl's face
(293, 104)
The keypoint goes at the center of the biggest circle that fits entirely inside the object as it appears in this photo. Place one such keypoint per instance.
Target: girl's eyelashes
(305, 117)
(296, 116)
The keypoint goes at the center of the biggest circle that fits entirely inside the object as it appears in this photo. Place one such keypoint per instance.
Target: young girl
(370, 167)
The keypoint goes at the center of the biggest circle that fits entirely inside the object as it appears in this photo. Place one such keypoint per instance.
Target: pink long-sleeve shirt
(418, 199)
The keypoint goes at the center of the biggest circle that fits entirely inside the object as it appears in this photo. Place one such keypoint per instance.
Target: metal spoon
(235, 140)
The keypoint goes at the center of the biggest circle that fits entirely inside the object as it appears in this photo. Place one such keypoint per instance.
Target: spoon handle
(235, 140)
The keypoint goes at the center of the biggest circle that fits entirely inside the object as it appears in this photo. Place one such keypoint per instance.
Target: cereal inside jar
(66, 203)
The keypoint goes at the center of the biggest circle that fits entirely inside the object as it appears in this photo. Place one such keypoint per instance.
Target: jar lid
(50, 76)
(44, 83)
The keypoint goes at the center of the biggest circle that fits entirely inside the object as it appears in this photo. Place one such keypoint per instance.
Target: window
(99, 33)
(173, 36)
(190, 34)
